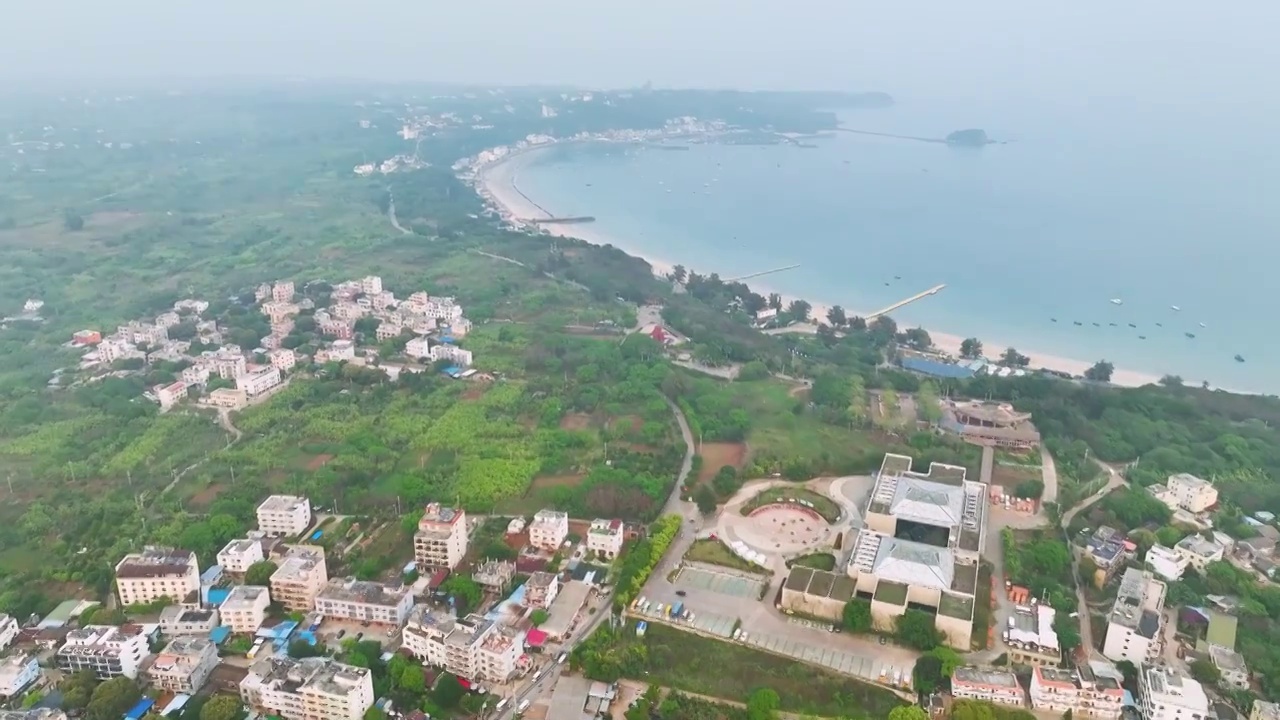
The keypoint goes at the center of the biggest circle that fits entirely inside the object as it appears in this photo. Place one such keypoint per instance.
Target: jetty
(895, 136)
(903, 303)
(563, 220)
(748, 276)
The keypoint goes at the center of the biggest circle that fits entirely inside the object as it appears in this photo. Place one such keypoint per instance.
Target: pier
(917, 138)
(563, 220)
(748, 276)
(903, 303)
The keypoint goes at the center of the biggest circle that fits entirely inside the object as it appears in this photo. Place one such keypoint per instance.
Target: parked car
(681, 593)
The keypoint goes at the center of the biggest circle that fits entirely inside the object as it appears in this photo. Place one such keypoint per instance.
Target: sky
(1158, 50)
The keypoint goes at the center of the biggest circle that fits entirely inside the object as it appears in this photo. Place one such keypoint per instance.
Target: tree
(1171, 381)
(836, 316)
(448, 691)
(763, 704)
(260, 573)
(775, 301)
(222, 707)
(1013, 358)
(971, 348)
(705, 497)
(112, 699)
(798, 310)
(917, 629)
(539, 616)
(412, 679)
(77, 689)
(916, 338)
(908, 712)
(927, 675)
(927, 402)
(678, 273)
(1100, 372)
(375, 713)
(73, 222)
(465, 591)
(857, 615)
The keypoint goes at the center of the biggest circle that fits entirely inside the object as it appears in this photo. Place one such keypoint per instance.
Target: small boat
(886, 284)
(897, 277)
(1175, 308)
(588, 184)
(1135, 327)
(1053, 319)
(1239, 358)
(1142, 337)
(1077, 323)
(1112, 325)
(1097, 325)
(1117, 301)
(1159, 324)
(1203, 325)
(1190, 335)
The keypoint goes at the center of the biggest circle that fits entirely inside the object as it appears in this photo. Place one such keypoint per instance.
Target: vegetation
(715, 552)
(821, 504)
(857, 615)
(917, 629)
(639, 560)
(817, 561)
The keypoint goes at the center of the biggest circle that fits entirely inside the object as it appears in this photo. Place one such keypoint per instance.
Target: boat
(1135, 327)
(1053, 319)
(897, 277)
(1097, 324)
(1113, 325)
(1159, 324)
(1117, 301)
(1203, 325)
(1190, 335)
(1142, 337)
(1077, 323)
(1175, 308)
(1239, 358)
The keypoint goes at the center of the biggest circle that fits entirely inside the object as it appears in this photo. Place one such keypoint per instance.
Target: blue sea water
(1086, 202)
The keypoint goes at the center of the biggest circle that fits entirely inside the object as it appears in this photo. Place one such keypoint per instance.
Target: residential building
(282, 291)
(184, 664)
(604, 538)
(245, 608)
(442, 308)
(371, 285)
(1091, 690)
(387, 331)
(283, 359)
(300, 577)
(1136, 620)
(86, 337)
(992, 685)
(1031, 637)
(229, 364)
(441, 539)
(565, 613)
(1168, 563)
(104, 650)
(279, 312)
(1263, 710)
(308, 689)
(178, 620)
(196, 374)
(549, 530)
(474, 647)
(259, 380)
(898, 570)
(541, 590)
(8, 630)
(1186, 491)
(458, 328)
(155, 573)
(168, 320)
(110, 351)
(191, 306)
(169, 395)
(418, 348)
(370, 602)
(1198, 552)
(1231, 666)
(17, 672)
(238, 555)
(494, 575)
(284, 515)
(452, 353)
(230, 398)
(1110, 551)
(1164, 694)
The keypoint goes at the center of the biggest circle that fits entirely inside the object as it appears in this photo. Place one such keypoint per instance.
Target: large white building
(104, 650)
(284, 515)
(605, 537)
(1163, 694)
(17, 672)
(549, 529)
(1186, 491)
(1231, 666)
(474, 648)
(308, 689)
(245, 608)
(258, 381)
(300, 577)
(371, 285)
(1168, 563)
(8, 630)
(1199, 552)
(993, 685)
(178, 620)
(1137, 617)
(373, 602)
(239, 555)
(441, 539)
(155, 573)
(184, 664)
(1092, 690)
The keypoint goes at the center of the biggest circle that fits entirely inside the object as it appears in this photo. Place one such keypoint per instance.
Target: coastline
(497, 183)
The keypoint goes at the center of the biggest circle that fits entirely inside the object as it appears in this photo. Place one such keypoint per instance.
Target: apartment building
(1187, 492)
(388, 330)
(282, 291)
(308, 689)
(259, 380)
(239, 555)
(17, 672)
(1092, 690)
(605, 537)
(300, 577)
(283, 359)
(230, 364)
(8, 630)
(155, 573)
(1137, 617)
(169, 395)
(104, 650)
(1164, 694)
(992, 685)
(1231, 666)
(168, 319)
(176, 620)
(245, 608)
(1199, 552)
(371, 285)
(549, 530)
(373, 602)
(196, 374)
(1263, 710)
(1168, 563)
(494, 574)
(110, 351)
(284, 515)
(1031, 637)
(230, 398)
(418, 347)
(184, 664)
(541, 590)
(441, 539)
(452, 353)
(473, 647)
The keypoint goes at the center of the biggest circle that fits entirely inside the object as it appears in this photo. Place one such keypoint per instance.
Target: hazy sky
(1162, 48)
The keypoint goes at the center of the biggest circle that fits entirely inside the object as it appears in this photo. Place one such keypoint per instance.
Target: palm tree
(775, 301)
(678, 273)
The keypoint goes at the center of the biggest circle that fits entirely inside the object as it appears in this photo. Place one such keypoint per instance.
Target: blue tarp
(218, 595)
(140, 709)
(935, 368)
(447, 339)
(453, 371)
(219, 634)
(316, 535)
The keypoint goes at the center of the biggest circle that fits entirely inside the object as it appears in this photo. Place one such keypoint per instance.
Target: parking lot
(696, 578)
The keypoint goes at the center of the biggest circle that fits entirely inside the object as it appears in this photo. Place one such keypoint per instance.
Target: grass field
(825, 506)
(817, 561)
(715, 552)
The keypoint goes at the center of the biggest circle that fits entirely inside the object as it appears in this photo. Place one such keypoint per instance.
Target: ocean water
(1086, 202)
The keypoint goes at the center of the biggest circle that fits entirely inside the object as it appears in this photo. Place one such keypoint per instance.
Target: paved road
(1050, 472)
(1082, 604)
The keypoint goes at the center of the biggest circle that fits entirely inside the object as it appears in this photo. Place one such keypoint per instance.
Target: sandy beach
(499, 183)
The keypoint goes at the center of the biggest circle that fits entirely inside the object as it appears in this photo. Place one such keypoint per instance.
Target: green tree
(971, 348)
(112, 698)
(917, 629)
(1100, 372)
(412, 679)
(448, 691)
(908, 712)
(927, 675)
(375, 713)
(927, 402)
(836, 316)
(222, 707)
(539, 616)
(799, 310)
(260, 573)
(1014, 359)
(857, 615)
(77, 690)
(705, 497)
(1204, 671)
(763, 704)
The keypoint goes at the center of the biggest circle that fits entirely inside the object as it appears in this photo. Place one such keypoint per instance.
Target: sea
(1079, 203)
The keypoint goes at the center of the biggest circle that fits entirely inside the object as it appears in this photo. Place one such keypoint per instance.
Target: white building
(1191, 493)
(1137, 618)
(155, 573)
(258, 381)
(371, 285)
(8, 630)
(418, 348)
(283, 359)
(110, 351)
(992, 685)
(284, 515)
(370, 602)
(184, 664)
(238, 555)
(17, 672)
(104, 650)
(300, 577)
(169, 395)
(549, 529)
(1231, 666)
(1263, 710)
(1093, 690)
(473, 647)
(230, 364)
(178, 620)
(282, 291)
(452, 353)
(168, 320)
(196, 374)
(605, 537)
(1168, 563)
(341, 350)
(245, 608)
(541, 589)
(1198, 552)
(1163, 694)
(442, 308)
(441, 539)
(308, 689)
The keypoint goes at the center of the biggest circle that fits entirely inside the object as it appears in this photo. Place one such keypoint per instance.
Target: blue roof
(219, 634)
(140, 709)
(218, 595)
(447, 339)
(935, 368)
(452, 370)
(279, 631)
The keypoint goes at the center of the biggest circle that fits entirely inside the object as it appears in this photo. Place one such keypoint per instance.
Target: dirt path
(391, 213)
(630, 690)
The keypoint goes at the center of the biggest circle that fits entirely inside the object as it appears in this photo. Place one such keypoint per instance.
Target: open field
(715, 552)
(716, 455)
(817, 561)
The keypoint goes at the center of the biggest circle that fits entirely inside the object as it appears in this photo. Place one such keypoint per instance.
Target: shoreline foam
(497, 183)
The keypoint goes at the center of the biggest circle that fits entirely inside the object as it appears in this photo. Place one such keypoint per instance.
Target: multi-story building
(1186, 491)
(284, 515)
(1031, 638)
(169, 395)
(300, 577)
(17, 672)
(371, 285)
(308, 689)
(418, 347)
(178, 620)
(441, 540)
(155, 573)
(1198, 552)
(494, 574)
(104, 650)
(442, 308)
(1092, 690)
(1164, 694)
(1168, 563)
(282, 291)
(1231, 666)
(474, 647)
(1263, 710)
(229, 363)
(168, 319)
(245, 608)
(549, 529)
(370, 602)
(231, 398)
(452, 353)
(184, 664)
(196, 374)
(541, 590)
(1133, 628)
(258, 380)
(239, 555)
(988, 684)
(387, 331)
(8, 630)
(110, 351)
(605, 537)
(283, 359)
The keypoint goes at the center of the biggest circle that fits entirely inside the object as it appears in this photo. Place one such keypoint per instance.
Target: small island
(974, 137)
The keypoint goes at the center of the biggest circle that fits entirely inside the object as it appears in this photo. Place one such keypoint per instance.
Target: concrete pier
(903, 303)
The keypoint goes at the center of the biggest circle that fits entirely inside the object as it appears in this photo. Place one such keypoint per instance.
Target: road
(1050, 472)
(391, 213)
(1082, 604)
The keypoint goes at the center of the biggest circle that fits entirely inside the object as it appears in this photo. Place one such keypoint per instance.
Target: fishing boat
(1053, 319)
(1203, 325)
(1113, 325)
(1190, 335)
(1159, 324)
(1142, 337)
(1135, 327)
(1175, 308)
(1117, 301)
(1097, 324)
(1077, 323)
(1239, 358)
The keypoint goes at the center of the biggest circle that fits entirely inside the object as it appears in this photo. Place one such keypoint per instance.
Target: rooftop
(183, 649)
(1168, 686)
(956, 606)
(1226, 659)
(299, 561)
(239, 547)
(437, 514)
(541, 580)
(821, 583)
(244, 597)
(178, 613)
(323, 674)
(904, 561)
(1189, 480)
(1033, 626)
(1199, 546)
(1138, 603)
(362, 591)
(566, 607)
(991, 677)
(1266, 710)
(549, 517)
(283, 503)
(155, 562)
